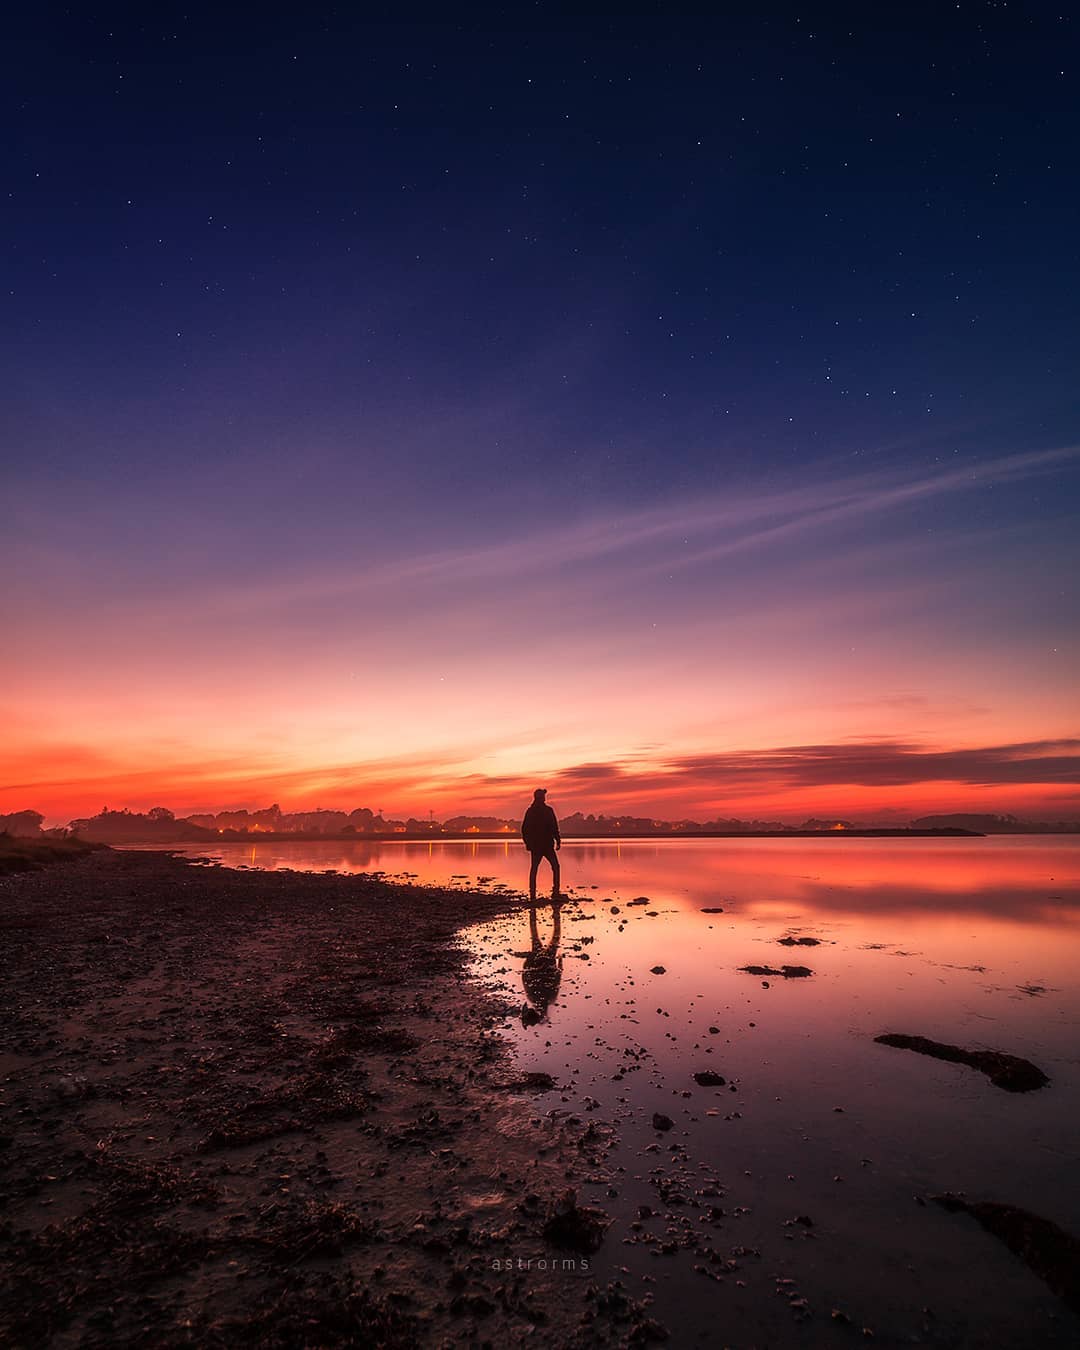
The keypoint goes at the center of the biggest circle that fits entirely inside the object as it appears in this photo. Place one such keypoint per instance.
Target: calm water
(971, 941)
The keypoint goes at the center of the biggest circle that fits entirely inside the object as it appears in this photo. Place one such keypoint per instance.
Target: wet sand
(254, 1108)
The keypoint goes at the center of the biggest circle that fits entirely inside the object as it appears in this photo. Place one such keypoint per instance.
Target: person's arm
(555, 822)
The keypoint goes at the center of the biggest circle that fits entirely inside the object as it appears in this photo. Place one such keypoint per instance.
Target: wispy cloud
(872, 763)
(676, 534)
(887, 763)
(655, 785)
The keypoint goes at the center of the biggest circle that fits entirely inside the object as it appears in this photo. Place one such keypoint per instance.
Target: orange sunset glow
(732, 658)
(412, 696)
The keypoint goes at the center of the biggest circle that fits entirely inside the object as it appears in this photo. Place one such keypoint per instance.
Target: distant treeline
(995, 824)
(160, 825)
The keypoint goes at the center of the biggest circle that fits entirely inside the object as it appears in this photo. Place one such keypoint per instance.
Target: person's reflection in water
(542, 972)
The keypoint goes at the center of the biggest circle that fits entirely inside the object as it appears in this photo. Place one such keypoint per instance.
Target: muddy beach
(266, 1109)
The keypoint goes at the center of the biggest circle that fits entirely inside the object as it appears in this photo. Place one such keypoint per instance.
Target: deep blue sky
(631, 252)
(290, 294)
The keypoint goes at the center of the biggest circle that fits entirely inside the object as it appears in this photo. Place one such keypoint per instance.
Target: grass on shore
(31, 855)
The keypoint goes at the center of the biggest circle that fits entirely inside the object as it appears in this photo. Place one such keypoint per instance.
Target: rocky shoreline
(268, 1108)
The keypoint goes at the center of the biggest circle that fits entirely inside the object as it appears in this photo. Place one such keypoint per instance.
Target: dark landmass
(1051, 1252)
(160, 825)
(1008, 1072)
(266, 1108)
(990, 824)
(181, 835)
(31, 855)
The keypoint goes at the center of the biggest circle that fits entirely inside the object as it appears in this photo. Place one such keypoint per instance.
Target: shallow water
(971, 941)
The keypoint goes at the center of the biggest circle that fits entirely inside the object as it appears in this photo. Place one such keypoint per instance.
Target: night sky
(680, 412)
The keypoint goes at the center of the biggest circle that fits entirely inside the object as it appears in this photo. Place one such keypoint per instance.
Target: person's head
(539, 794)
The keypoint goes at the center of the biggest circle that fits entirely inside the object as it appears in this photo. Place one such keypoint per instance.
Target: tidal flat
(243, 1108)
(326, 1095)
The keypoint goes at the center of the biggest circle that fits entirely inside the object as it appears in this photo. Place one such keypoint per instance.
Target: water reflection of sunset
(990, 914)
(970, 942)
(1010, 876)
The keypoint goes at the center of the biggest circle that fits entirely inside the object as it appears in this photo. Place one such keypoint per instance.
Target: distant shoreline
(496, 836)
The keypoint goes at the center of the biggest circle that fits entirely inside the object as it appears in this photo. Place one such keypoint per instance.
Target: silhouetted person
(540, 831)
(542, 971)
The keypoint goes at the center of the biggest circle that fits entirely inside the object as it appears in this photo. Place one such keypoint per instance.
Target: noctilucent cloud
(677, 411)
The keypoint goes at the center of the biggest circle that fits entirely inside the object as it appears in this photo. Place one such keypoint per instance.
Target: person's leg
(532, 875)
(553, 859)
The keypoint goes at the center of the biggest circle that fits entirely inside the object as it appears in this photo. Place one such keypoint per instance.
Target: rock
(477, 1304)
(575, 1228)
(799, 942)
(647, 1329)
(1051, 1252)
(659, 970)
(534, 1082)
(1008, 1072)
(661, 1122)
(706, 1078)
(715, 909)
